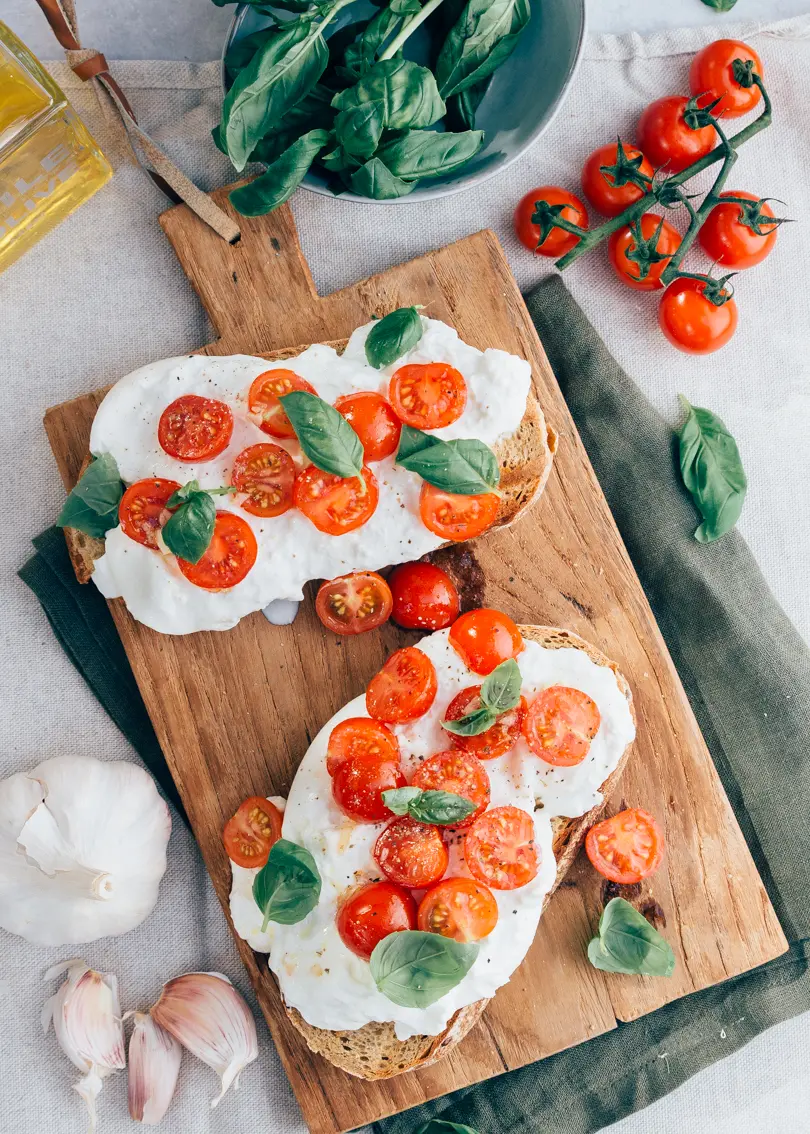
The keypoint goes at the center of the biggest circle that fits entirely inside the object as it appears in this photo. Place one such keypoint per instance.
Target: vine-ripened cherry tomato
(731, 243)
(424, 597)
(359, 736)
(143, 509)
(358, 783)
(374, 422)
(251, 832)
(667, 140)
(266, 473)
(460, 773)
(600, 188)
(193, 429)
(411, 854)
(499, 738)
(404, 689)
(712, 74)
(230, 555)
(459, 908)
(455, 517)
(352, 604)
(264, 404)
(558, 242)
(372, 913)
(627, 847)
(484, 638)
(623, 241)
(692, 322)
(335, 504)
(500, 849)
(560, 724)
(428, 395)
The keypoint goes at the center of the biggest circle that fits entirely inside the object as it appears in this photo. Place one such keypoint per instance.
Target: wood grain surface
(235, 711)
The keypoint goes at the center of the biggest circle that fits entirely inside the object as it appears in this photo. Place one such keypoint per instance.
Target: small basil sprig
(189, 530)
(288, 886)
(441, 808)
(627, 943)
(466, 467)
(712, 471)
(324, 434)
(415, 969)
(92, 506)
(500, 692)
(442, 1126)
(392, 336)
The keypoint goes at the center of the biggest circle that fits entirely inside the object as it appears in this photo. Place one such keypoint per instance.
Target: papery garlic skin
(86, 1017)
(205, 1013)
(154, 1063)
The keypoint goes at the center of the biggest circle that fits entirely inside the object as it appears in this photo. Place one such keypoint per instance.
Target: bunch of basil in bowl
(391, 99)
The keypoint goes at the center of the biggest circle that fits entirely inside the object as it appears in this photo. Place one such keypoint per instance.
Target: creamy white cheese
(318, 975)
(291, 551)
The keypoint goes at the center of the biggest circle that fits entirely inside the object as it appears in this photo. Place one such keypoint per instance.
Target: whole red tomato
(666, 137)
(692, 320)
(729, 234)
(712, 75)
(615, 176)
(634, 251)
(557, 242)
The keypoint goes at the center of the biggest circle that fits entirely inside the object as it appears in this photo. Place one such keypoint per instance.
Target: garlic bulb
(82, 849)
(154, 1063)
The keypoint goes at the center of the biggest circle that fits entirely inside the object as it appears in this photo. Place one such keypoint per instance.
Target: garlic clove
(154, 1063)
(205, 1013)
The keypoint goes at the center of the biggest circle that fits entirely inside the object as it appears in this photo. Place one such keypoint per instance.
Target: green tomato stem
(408, 30)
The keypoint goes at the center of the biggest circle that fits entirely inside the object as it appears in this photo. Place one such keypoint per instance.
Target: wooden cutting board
(234, 712)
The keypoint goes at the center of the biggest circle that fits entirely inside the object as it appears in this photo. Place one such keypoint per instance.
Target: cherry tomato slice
(560, 725)
(623, 244)
(601, 189)
(558, 242)
(498, 739)
(352, 604)
(251, 832)
(692, 322)
(411, 853)
(460, 773)
(667, 140)
(627, 847)
(266, 473)
(731, 243)
(358, 783)
(500, 850)
(484, 638)
(230, 555)
(371, 913)
(455, 517)
(404, 689)
(424, 597)
(359, 736)
(428, 395)
(335, 504)
(143, 509)
(459, 908)
(712, 74)
(264, 404)
(374, 422)
(194, 428)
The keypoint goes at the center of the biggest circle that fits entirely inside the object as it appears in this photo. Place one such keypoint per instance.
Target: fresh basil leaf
(375, 180)
(242, 50)
(466, 467)
(338, 161)
(720, 5)
(415, 969)
(395, 94)
(424, 153)
(627, 943)
(281, 179)
(712, 471)
(188, 532)
(500, 690)
(392, 336)
(359, 57)
(444, 808)
(399, 799)
(288, 886)
(472, 724)
(462, 108)
(324, 434)
(442, 1126)
(483, 38)
(92, 504)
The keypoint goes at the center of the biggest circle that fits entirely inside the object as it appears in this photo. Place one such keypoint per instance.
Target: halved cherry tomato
(263, 400)
(143, 509)
(498, 739)
(459, 908)
(359, 736)
(411, 853)
(455, 517)
(712, 74)
(266, 473)
(560, 725)
(627, 847)
(623, 244)
(601, 189)
(230, 555)
(358, 783)
(428, 395)
(404, 689)
(731, 243)
(424, 597)
(335, 504)
(558, 242)
(374, 422)
(692, 322)
(500, 850)
(352, 604)
(194, 428)
(251, 832)
(667, 140)
(371, 913)
(484, 638)
(460, 773)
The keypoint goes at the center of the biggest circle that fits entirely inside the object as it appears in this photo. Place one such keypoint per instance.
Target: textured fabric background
(104, 294)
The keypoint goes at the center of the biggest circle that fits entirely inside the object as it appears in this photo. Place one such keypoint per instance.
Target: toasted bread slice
(373, 1051)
